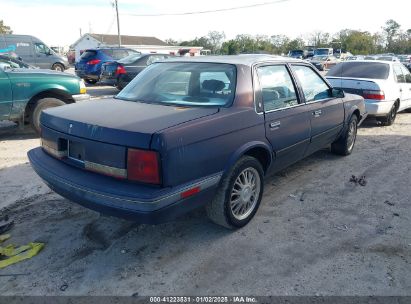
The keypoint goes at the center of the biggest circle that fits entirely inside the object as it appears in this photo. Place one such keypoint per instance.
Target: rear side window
(314, 87)
(371, 70)
(88, 54)
(118, 54)
(277, 88)
(399, 76)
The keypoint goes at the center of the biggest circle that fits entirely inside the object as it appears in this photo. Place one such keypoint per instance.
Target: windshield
(370, 70)
(183, 83)
(296, 53)
(320, 58)
(321, 52)
(88, 54)
(130, 58)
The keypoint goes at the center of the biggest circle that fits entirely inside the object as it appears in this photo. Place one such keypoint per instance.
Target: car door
(406, 92)
(287, 122)
(41, 55)
(326, 111)
(6, 100)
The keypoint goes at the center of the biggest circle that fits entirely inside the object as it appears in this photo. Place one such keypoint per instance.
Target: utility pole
(118, 24)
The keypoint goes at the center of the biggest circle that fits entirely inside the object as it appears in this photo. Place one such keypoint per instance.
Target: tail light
(376, 95)
(143, 166)
(120, 70)
(94, 61)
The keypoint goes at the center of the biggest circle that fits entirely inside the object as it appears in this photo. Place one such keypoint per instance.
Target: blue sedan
(194, 132)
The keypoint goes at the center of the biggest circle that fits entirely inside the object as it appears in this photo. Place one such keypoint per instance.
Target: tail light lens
(143, 166)
(94, 61)
(376, 95)
(120, 70)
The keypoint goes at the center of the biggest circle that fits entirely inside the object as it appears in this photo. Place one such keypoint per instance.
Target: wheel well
(262, 155)
(398, 103)
(53, 93)
(357, 112)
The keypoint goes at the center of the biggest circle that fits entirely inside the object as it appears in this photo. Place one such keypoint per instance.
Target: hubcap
(245, 193)
(352, 133)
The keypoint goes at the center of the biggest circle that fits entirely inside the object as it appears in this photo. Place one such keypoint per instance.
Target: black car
(6, 60)
(119, 73)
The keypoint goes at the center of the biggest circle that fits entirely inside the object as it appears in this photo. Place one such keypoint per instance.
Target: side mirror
(337, 93)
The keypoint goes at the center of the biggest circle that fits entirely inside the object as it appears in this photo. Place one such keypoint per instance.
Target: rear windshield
(130, 59)
(183, 83)
(372, 70)
(88, 54)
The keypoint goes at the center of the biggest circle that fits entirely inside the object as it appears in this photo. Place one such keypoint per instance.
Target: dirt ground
(316, 233)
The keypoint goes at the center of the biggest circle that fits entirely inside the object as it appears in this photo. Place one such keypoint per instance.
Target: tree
(4, 29)
(215, 40)
(171, 41)
(391, 30)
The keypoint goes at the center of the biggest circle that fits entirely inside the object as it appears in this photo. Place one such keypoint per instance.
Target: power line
(207, 12)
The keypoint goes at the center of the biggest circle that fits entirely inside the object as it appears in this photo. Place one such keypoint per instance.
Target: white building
(138, 43)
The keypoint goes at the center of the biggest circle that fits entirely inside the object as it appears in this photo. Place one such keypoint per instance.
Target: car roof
(372, 61)
(246, 59)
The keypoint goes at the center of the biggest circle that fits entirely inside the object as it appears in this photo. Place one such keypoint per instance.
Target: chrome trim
(283, 109)
(99, 168)
(52, 151)
(81, 97)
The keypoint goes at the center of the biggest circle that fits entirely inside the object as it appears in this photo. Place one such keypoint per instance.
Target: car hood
(119, 122)
(40, 72)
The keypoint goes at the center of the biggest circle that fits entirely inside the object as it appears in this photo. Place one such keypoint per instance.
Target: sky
(59, 22)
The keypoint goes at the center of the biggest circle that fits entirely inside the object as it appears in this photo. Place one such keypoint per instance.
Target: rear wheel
(345, 143)
(239, 195)
(390, 118)
(41, 105)
(58, 67)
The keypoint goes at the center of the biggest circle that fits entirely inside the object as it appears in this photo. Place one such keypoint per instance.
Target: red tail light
(143, 166)
(94, 61)
(120, 70)
(376, 95)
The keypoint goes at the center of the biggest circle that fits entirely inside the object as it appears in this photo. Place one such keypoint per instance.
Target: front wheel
(41, 105)
(239, 194)
(345, 143)
(58, 67)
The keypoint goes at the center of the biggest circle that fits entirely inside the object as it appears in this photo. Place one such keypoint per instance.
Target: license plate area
(76, 151)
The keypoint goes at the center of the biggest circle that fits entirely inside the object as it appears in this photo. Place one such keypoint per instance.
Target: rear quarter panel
(209, 145)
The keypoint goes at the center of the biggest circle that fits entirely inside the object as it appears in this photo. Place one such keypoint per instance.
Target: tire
(58, 67)
(236, 202)
(390, 118)
(345, 143)
(41, 105)
(120, 84)
(91, 81)
(408, 110)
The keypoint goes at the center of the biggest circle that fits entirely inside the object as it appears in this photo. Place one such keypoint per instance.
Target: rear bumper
(108, 80)
(114, 197)
(378, 108)
(87, 75)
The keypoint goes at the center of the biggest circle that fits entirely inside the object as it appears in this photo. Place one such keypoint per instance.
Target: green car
(25, 92)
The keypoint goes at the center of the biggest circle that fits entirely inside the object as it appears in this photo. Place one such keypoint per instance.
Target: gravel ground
(316, 233)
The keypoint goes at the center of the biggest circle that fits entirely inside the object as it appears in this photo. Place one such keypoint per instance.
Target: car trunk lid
(119, 122)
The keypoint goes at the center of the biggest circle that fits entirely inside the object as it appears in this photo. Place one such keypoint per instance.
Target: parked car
(25, 92)
(387, 58)
(385, 86)
(406, 61)
(298, 54)
(324, 52)
(33, 51)
(357, 57)
(10, 62)
(89, 65)
(192, 132)
(323, 63)
(120, 73)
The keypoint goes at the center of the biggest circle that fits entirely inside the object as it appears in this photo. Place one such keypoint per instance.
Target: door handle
(317, 113)
(275, 125)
